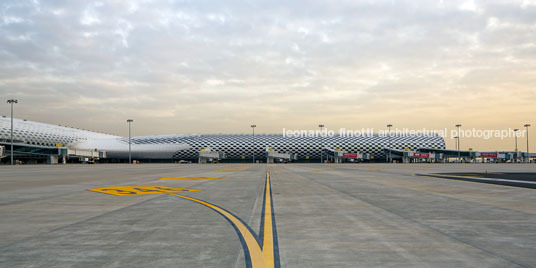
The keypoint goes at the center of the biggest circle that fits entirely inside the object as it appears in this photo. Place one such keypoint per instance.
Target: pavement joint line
(40, 198)
(443, 195)
(493, 181)
(79, 222)
(426, 175)
(449, 196)
(233, 170)
(454, 238)
(486, 178)
(191, 178)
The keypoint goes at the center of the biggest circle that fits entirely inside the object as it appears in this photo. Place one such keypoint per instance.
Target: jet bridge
(339, 156)
(84, 156)
(276, 157)
(206, 155)
(27, 153)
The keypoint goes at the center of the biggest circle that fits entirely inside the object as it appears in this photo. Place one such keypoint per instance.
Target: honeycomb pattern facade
(47, 135)
(235, 146)
(238, 145)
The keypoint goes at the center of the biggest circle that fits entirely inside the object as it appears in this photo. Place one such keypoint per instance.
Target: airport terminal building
(33, 138)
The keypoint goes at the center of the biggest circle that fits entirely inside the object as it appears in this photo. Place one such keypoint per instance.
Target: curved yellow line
(255, 252)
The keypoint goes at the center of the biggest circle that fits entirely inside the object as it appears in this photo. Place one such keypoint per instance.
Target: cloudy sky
(218, 66)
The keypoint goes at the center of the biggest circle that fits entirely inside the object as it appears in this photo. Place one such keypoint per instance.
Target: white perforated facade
(235, 146)
(35, 133)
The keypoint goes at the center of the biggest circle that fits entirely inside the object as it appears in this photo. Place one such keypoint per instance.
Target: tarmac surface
(517, 179)
(238, 215)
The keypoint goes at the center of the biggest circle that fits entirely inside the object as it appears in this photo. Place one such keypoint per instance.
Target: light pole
(528, 156)
(321, 126)
(515, 136)
(389, 126)
(12, 101)
(129, 142)
(458, 141)
(253, 128)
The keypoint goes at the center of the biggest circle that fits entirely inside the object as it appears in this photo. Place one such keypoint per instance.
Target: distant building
(186, 147)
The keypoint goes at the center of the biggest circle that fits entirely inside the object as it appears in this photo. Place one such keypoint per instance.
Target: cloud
(216, 66)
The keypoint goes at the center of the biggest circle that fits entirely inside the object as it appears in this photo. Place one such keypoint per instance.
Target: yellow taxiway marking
(138, 190)
(263, 254)
(259, 254)
(268, 232)
(255, 252)
(193, 178)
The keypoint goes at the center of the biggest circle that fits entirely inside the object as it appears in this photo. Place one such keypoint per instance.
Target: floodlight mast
(321, 126)
(129, 121)
(458, 142)
(528, 156)
(515, 136)
(253, 128)
(12, 101)
(389, 160)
